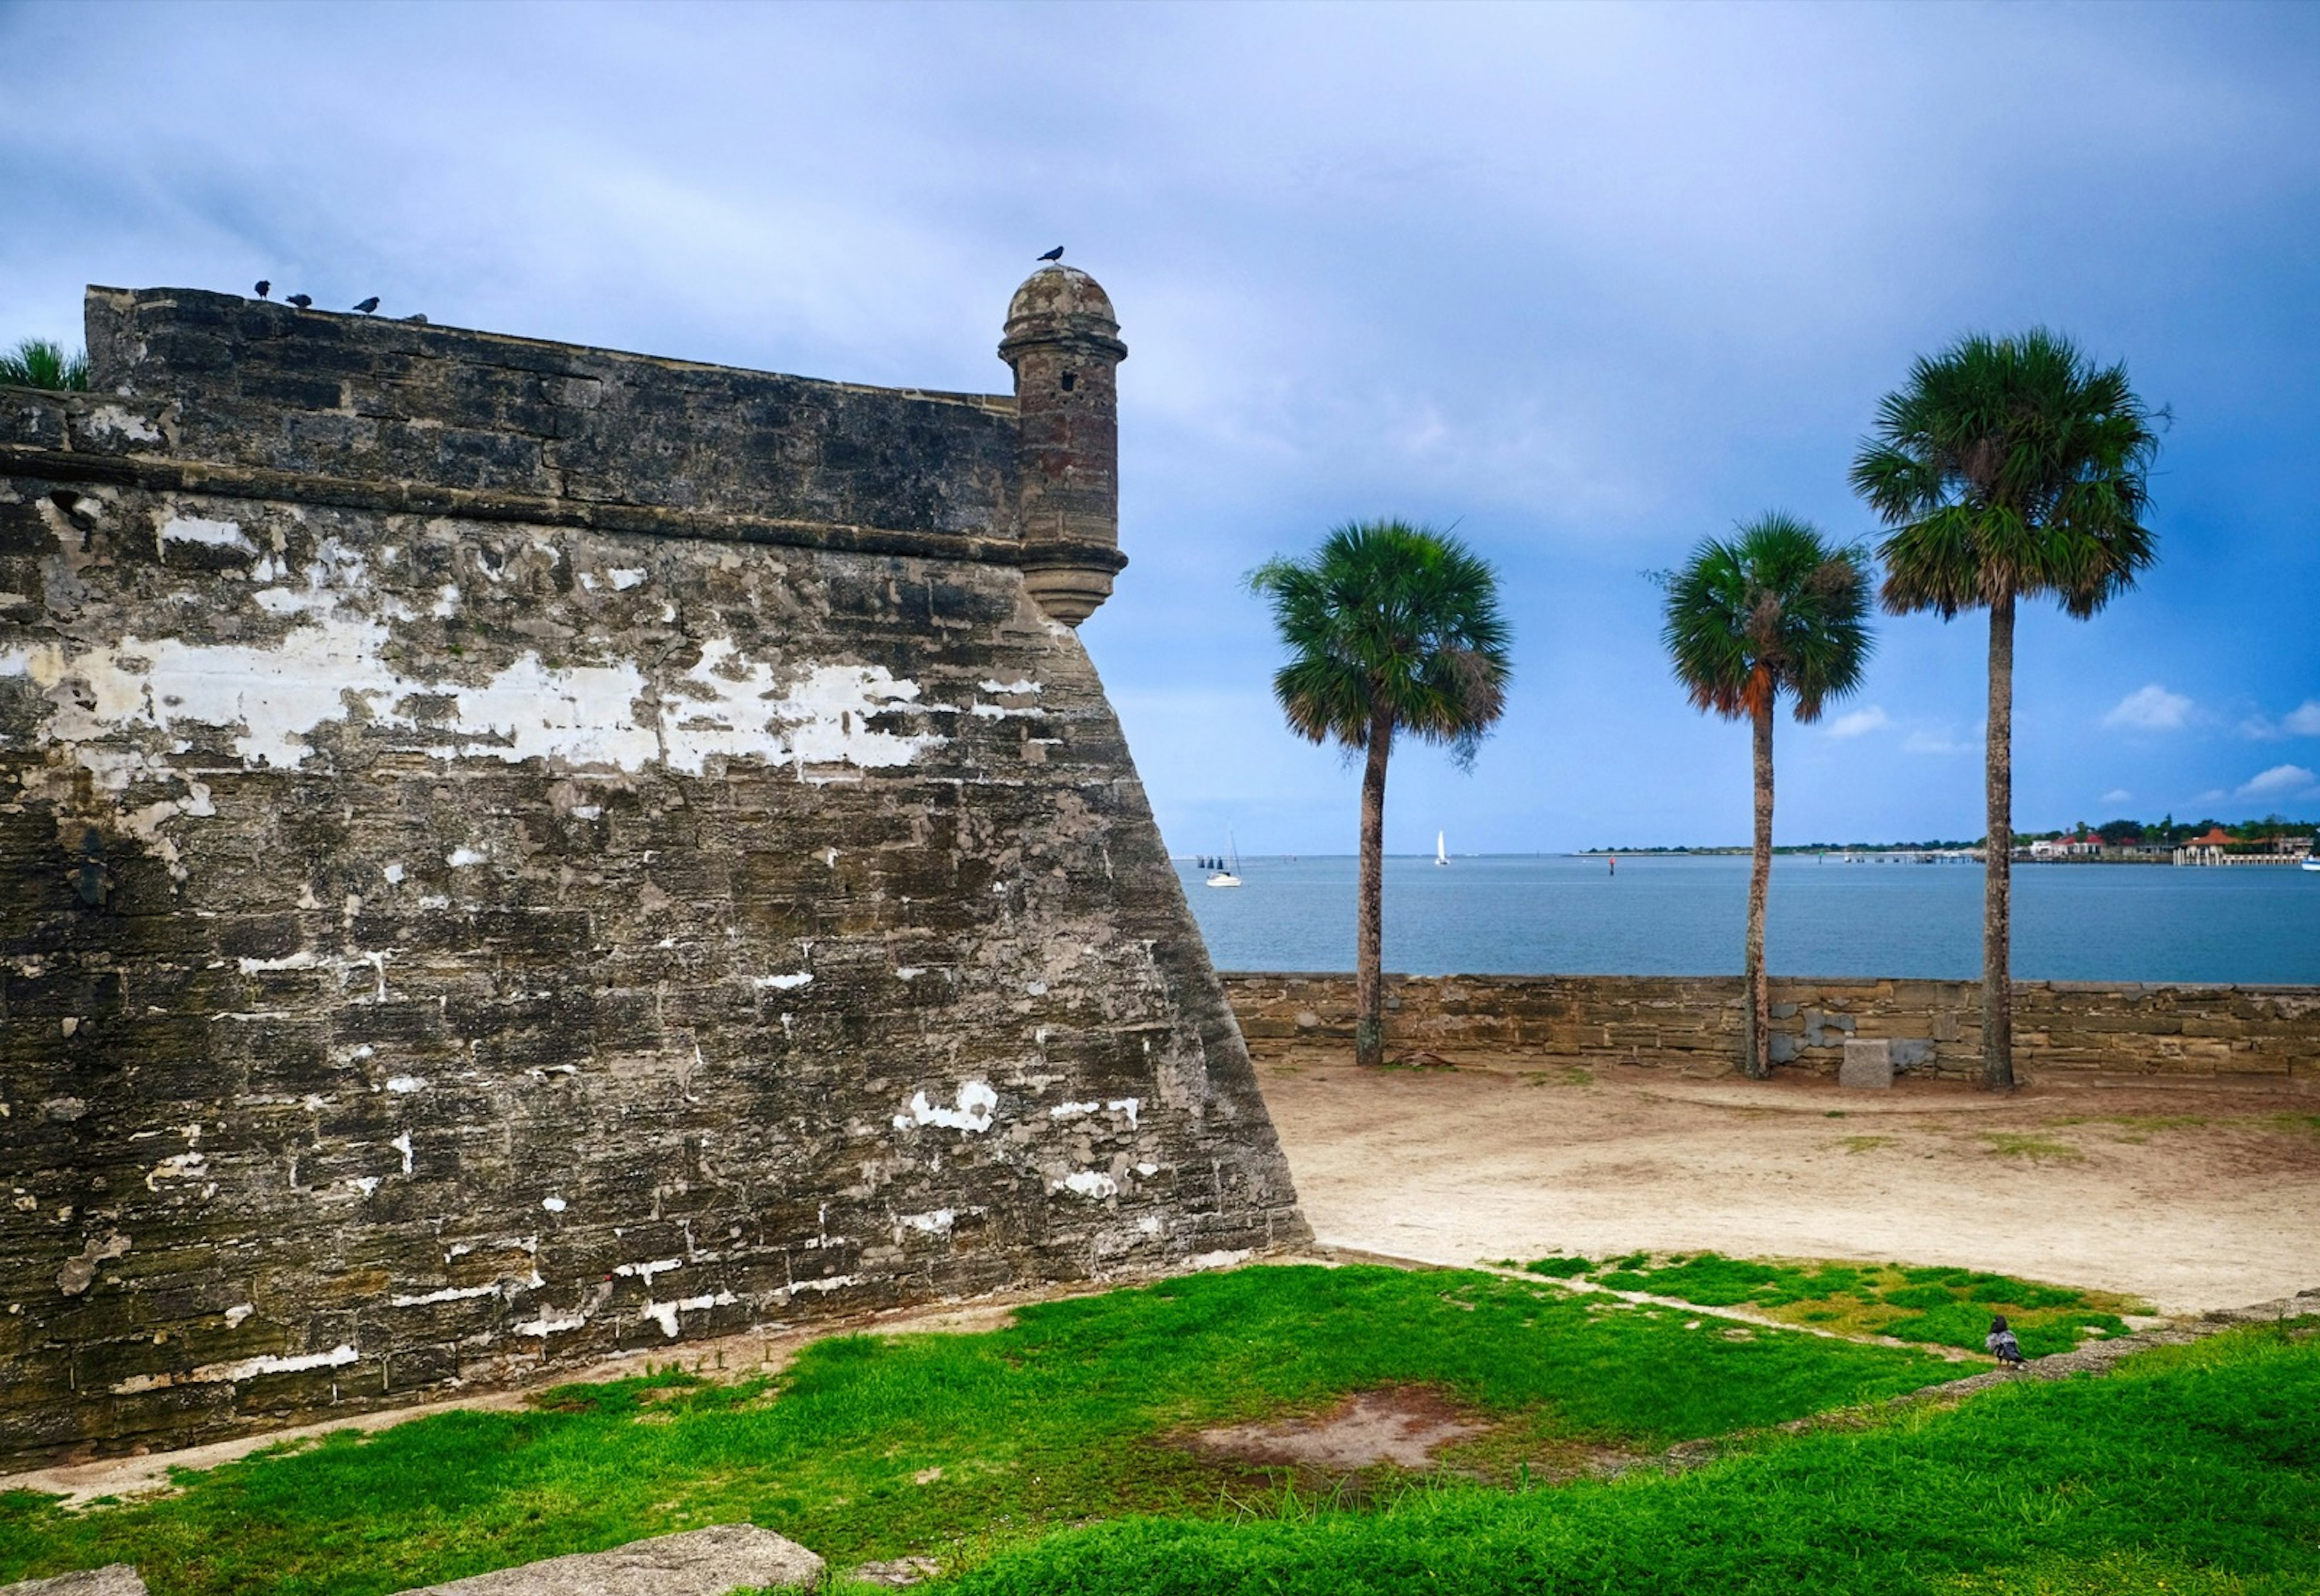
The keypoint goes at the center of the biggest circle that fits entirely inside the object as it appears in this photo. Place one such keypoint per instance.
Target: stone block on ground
(1868, 1066)
(698, 1562)
(116, 1579)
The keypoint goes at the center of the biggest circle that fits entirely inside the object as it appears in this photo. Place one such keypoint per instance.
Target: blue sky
(1591, 282)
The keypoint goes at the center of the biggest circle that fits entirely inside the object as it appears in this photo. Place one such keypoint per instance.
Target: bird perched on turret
(264, 287)
(368, 305)
(1054, 254)
(2001, 1343)
(302, 300)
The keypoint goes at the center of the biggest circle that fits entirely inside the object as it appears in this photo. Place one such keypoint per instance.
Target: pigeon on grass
(2002, 1344)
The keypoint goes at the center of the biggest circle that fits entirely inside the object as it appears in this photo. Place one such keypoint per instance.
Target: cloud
(1860, 722)
(2277, 782)
(2117, 796)
(1941, 742)
(2304, 720)
(2151, 709)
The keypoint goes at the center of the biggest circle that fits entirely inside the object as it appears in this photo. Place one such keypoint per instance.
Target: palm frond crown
(38, 363)
(2010, 466)
(1774, 609)
(1387, 621)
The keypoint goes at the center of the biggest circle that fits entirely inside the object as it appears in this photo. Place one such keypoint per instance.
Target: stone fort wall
(1682, 1021)
(511, 852)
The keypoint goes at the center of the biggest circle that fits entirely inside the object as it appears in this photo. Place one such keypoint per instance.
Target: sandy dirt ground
(2193, 1196)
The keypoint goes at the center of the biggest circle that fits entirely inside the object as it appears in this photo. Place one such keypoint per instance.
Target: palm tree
(1391, 628)
(2008, 468)
(36, 363)
(1773, 610)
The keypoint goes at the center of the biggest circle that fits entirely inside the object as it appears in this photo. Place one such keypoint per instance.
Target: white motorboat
(2312, 863)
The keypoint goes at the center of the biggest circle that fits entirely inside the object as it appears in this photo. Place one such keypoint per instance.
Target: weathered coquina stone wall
(510, 852)
(1679, 1022)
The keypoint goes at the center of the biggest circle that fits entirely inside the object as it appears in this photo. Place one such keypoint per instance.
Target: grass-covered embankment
(2190, 1469)
(1940, 1306)
(960, 1445)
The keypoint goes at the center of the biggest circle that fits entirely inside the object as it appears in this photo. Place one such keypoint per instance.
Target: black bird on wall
(368, 305)
(1054, 254)
(264, 287)
(302, 300)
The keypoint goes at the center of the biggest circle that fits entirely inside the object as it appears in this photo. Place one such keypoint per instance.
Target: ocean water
(1547, 915)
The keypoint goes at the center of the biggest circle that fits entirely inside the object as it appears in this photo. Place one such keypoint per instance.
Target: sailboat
(1228, 874)
(1441, 857)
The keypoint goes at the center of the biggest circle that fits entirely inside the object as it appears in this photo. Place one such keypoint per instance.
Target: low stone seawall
(1935, 1026)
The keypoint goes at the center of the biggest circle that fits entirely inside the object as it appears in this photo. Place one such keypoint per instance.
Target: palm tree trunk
(1754, 1061)
(1369, 917)
(1997, 872)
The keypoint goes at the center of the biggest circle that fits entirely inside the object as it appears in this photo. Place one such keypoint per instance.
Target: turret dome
(1060, 302)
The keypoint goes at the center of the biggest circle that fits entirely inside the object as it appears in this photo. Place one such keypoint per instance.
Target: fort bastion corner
(515, 852)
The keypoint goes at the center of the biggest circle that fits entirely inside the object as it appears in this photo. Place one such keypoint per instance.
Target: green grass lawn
(1942, 1306)
(961, 1446)
(2190, 1469)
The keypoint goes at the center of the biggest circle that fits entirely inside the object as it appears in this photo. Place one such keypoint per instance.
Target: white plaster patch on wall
(305, 959)
(401, 1144)
(936, 1223)
(789, 982)
(247, 1368)
(206, 534)
(999, 711)
(340, 965)
(1091, 1183)
(460, 857)
(1072, 1110)
(551, 1324)
(665, 1313)
(1126, 1105)
(645, 1272)
(450, 1293)
(1026, 685)
(180, 1167)
(123, 424)
(972, 1110)
(446, 602)
(274, 696)
(1149, 1224)
(552, 1204)
(733, 708)
(363, 1183)
(828, 1283)
(237, 1313)
(393, 874)
(625, 578)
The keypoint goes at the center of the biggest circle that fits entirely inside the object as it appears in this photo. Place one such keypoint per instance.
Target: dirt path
(2193, 1197)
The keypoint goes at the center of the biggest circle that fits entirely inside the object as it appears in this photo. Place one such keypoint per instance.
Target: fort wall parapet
(1682, 1021)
